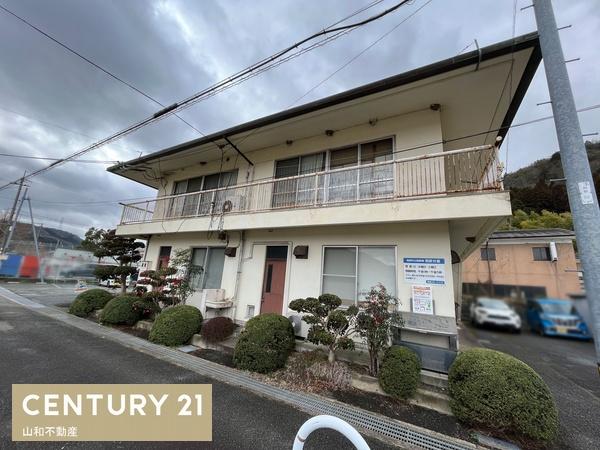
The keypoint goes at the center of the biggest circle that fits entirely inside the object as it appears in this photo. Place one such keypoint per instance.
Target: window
(191, 205)
(541, 253)
(351, 272)
(488, 254)
(164, 255)
(297, 191)
(208, 267)
(341, 186)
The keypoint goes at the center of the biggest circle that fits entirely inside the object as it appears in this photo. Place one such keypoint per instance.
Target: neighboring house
(518, 265)
(379, 184)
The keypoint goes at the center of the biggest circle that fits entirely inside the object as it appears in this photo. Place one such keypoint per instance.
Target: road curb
(376, 425)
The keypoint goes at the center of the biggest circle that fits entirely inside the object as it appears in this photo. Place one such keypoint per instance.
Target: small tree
(374, 321)
(329, 325)
(124, 251)
(93, 237)
(174, 284)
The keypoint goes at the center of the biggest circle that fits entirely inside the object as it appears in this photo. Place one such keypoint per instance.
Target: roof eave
(529, 40)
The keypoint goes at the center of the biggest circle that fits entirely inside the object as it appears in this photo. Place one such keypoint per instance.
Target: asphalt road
(49, 294)
(568, 367)
(37, 349)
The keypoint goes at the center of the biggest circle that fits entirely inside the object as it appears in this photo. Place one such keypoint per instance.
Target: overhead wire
(205, 93)
(94, 64)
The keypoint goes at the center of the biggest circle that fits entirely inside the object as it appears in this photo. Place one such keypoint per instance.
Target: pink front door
(273, 286)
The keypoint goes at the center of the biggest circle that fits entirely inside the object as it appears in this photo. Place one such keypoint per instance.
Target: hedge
(217, 329)
(176, 325)
(89, 301)
(400, 372)
(120, 311)
(265, 344)
(497, 391)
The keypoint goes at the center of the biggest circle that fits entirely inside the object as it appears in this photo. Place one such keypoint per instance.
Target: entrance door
(274, 280)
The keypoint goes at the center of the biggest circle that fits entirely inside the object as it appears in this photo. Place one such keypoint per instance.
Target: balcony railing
(467, 170)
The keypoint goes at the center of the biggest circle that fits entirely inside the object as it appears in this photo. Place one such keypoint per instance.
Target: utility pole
(576, 166)
(14, 223)
(11, 215)
(35, 241)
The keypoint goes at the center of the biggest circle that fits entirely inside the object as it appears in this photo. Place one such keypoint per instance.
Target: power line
(97, 66)
(43, 158)
(350, 61)
(228, 82)
(60, 127)
(396, 151)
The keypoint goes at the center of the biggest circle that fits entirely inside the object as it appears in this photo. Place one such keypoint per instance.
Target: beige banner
(112, 412)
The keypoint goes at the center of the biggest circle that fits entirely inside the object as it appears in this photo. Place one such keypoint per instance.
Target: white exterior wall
(408, 130)
(303, 276)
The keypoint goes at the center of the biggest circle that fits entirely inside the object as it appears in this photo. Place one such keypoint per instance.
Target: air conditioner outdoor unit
(236, 203)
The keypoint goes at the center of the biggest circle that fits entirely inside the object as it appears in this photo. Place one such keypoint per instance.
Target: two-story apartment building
(394, 182)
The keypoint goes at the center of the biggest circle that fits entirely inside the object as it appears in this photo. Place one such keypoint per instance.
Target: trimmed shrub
(176, 325)
(89, 301)
(120, 311)
(265, 344)
(399, 372)
(146, 307)
(217, 329)
(497, 391)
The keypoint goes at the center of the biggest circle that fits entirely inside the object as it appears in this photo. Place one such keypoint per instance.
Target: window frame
(487, 251)
(547, 255)
(357, 248)
(175, 182)
(332, 149)
(208, 249)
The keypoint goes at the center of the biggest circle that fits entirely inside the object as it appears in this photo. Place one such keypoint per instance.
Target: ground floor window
(208, 265)
(351, 271)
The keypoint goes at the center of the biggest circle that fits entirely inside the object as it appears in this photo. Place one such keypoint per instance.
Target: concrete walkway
(374, 424)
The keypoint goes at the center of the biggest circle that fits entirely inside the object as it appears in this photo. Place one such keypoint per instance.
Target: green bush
(146, 307)
(497, 391)
(176, 325)
(400, 372)
(265, 344)
(89, 301)
(217, 329)
(120, 310)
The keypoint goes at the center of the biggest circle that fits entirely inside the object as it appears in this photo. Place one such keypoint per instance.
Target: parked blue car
(555, 317)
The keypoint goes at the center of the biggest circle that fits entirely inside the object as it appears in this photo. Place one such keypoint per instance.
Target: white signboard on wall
(425, 270)
(422, 299)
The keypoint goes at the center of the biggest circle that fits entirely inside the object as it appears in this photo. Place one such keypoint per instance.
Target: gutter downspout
(487, 254)
(238, 274)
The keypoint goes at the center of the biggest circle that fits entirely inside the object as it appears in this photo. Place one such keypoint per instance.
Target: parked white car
(491, 311)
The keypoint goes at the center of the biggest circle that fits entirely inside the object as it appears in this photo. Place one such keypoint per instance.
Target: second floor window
(200, 204)
(488, 254)
(355, 183)
(541, 253)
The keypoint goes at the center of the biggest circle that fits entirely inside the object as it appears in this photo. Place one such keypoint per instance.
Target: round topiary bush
(176, 325)
(89, 301)
(265, 344)
(400, 372)
(495, 390)
(120, 310)
(217, 329)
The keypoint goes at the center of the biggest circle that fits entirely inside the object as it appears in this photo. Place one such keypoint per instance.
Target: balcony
(437, 176)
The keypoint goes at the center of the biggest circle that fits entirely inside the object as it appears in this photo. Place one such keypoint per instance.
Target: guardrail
(466, 170)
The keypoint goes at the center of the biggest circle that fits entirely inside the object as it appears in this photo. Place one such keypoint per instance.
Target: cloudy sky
(53, 103)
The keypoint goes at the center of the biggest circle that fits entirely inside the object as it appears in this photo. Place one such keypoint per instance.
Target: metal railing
(466, 170)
